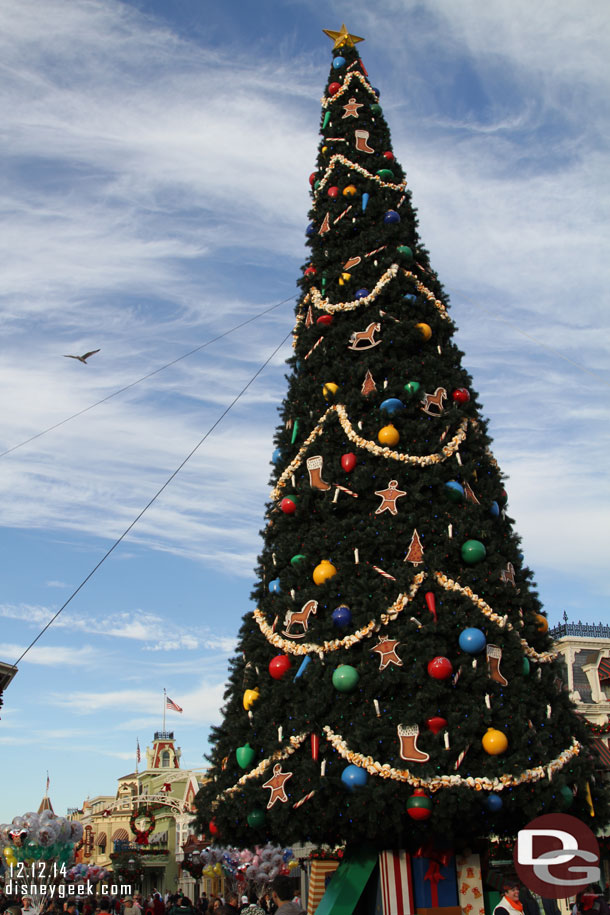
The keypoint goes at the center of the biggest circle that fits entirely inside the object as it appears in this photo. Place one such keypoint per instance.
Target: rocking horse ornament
(365, 336)
(300, 616)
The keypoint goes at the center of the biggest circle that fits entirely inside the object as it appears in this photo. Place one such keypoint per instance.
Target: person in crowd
(251, 906)
(282, 891)
(105, 906)
(158, 905)
(129, 908)
(202, 905)
(232, 904)
(26, 902)
(510, 903)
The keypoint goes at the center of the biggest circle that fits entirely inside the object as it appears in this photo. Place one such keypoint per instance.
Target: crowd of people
(278, 898)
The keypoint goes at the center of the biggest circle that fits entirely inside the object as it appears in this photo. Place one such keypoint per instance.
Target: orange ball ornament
(425, 330)
(323, 571)
(350, 191)
(494, 742)
(542, 624)
(389, 435)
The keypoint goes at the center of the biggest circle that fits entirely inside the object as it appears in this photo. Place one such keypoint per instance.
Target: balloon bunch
(242, 866)
(39, 837)
(82, 872)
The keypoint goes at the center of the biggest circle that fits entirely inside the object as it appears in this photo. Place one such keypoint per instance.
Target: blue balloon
(472, 640)
(342, 617)
(276, 457)
(454, 490)
(494, 510)
(354, 777)
(338, 62)
(361, 294)
(494, 802)
(392, 406)
(391, 217)
(274, 586)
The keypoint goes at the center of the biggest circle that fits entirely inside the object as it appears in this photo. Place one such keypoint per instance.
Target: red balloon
(460, 395)
(436, 724)
(288, 506)
(440, 668)
(312, 178)
(334, 88)
(279, 665)
(325, 320)
(348, 461)
(333, 192)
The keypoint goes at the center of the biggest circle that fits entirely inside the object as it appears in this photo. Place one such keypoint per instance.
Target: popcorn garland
(326, 101)
(449, 585)
(478, 783)
(347, 641)
(295, 743)
(318, 301)
(339, 158)
(423, 460)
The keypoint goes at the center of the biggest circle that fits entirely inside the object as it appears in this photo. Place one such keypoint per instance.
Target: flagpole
(164, 705)
(137, 773)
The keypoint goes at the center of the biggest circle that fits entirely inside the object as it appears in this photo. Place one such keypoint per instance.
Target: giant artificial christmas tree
(396, 681)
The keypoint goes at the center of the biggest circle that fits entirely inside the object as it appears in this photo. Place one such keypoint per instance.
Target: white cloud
(51, 655)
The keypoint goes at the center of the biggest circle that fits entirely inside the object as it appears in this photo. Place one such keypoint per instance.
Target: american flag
(170, 704)
(48, 782)
(138, 755)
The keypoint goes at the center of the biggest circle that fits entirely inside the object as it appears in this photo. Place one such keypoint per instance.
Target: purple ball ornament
(391, 218)
(342, 617)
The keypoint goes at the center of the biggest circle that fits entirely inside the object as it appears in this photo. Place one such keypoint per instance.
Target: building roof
(46, 804)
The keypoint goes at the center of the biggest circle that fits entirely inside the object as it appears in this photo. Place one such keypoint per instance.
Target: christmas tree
(396, 681)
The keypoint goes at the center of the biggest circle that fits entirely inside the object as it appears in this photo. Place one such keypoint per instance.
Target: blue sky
(154, 193)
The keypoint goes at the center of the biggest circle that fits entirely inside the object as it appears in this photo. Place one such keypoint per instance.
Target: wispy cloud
(51, 655)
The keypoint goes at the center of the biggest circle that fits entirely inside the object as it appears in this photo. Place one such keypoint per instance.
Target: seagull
(84, 357)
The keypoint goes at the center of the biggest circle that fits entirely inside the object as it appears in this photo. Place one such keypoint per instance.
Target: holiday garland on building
(396, 681)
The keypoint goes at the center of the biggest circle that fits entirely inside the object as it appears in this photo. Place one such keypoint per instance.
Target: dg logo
(557, 856)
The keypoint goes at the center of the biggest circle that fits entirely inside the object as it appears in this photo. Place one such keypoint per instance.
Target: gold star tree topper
(342, 38)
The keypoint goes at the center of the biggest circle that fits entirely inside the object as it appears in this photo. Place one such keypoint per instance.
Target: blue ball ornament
(472, 641)
(494, 802)
(494, 510)
(342, 617)
(391, 217)
(410, 297)
(274, 586)
(454, 491)
(361, 294)
(392, 406)
(310, 230)
(354, 777)
(338, 62)
(276, 457)
(376, 91)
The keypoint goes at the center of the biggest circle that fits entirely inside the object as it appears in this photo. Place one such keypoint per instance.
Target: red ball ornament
(312, 178)
(310, 271)
(440, 668)
(348, 461)
(288, 506)
(436, 724)
(279, 666)
(389, 156)
(212, 828)
(333, 192)
(460, 395)
(419, 805)
(334, 88)
(325, 320)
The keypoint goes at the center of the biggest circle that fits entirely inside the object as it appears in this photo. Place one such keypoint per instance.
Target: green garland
(598, 729)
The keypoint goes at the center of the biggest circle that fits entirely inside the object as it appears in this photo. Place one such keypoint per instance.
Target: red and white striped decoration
(396, 883)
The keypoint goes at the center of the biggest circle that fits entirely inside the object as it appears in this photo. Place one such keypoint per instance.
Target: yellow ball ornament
(542, 624)
(350, 191)
(250, 697)
(323, 571)
(389, 435)
(425, 330)
(344, 278)
(495, 742)
(324, 149)
(330, 389)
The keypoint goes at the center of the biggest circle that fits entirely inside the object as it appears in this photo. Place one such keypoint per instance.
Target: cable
(155, 497)
(549, 349)
(144, 377)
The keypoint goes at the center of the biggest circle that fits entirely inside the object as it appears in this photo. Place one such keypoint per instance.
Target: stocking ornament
(494, 656)
(409, 751)
(361, 141)
(314, 466)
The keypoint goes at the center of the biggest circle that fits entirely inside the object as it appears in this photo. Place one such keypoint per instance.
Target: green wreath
(142, 834)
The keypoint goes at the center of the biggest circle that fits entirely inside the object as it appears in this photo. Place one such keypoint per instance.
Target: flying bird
(84, 357)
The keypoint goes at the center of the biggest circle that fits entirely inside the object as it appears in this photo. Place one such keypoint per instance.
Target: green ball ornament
(256, 818)
(386, 174)
(245, 756)
(345, 678)
(567, 798)
(525, 669)
(419, 805)
(412, 387)
(376, 109)
(298, 559)
(473, 551)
